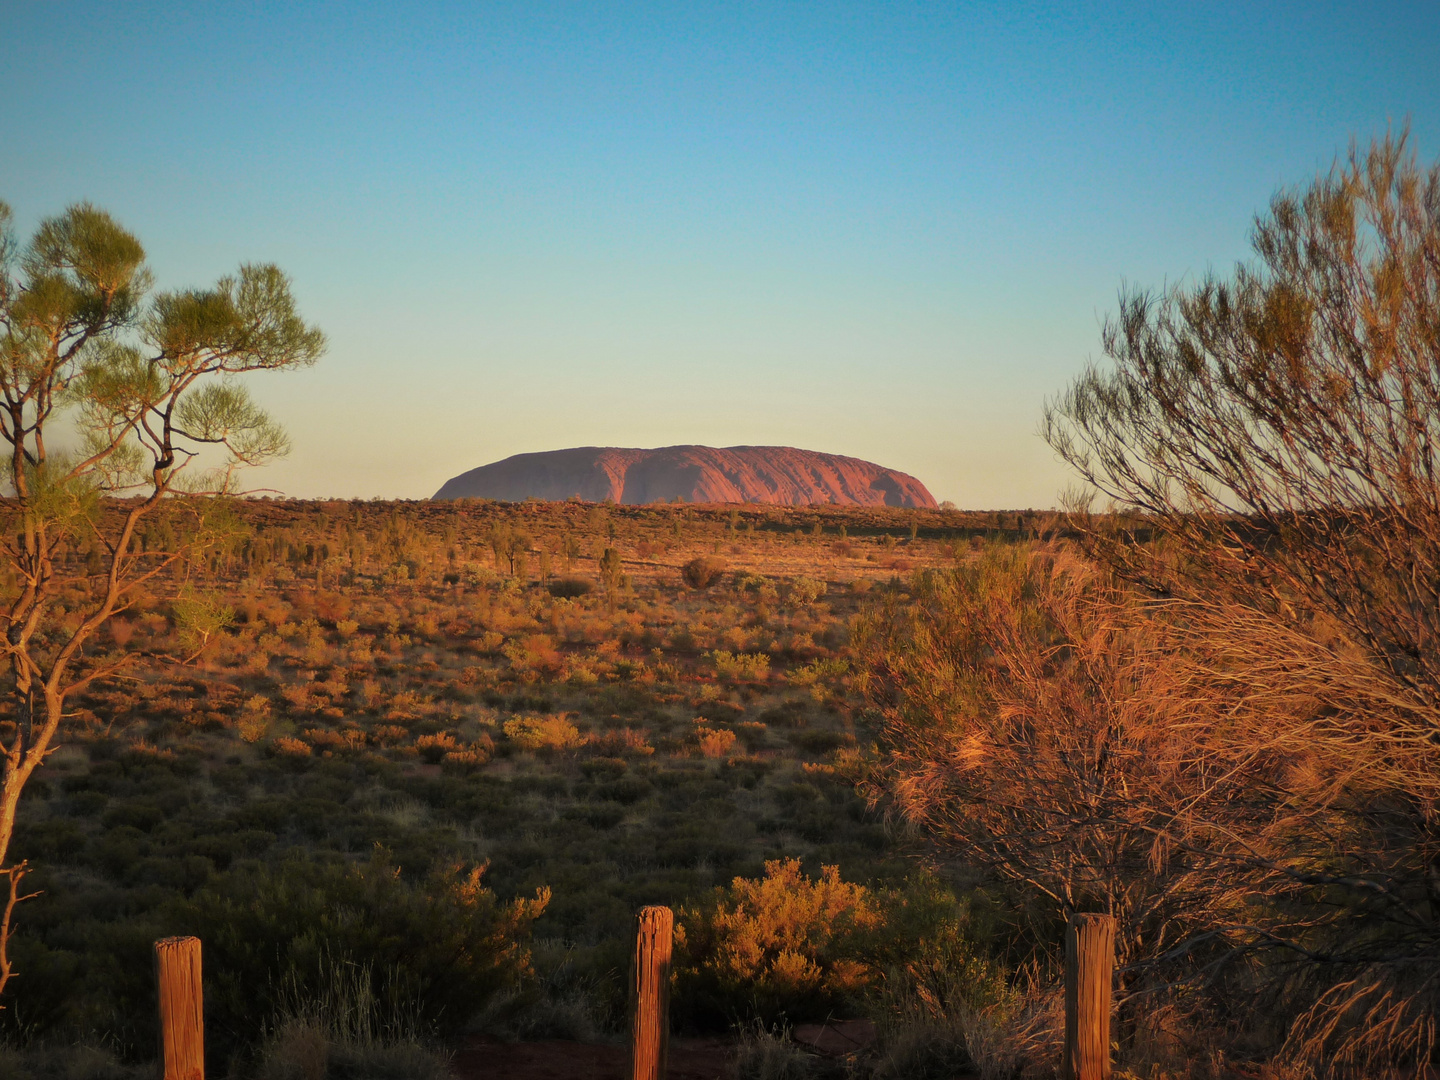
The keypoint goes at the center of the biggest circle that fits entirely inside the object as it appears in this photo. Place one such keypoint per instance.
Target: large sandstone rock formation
(703, 474)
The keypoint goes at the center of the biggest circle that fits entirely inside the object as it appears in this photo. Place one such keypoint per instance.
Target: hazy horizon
(887, 232)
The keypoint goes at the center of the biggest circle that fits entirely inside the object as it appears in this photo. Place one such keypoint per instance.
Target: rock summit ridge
(777, 475)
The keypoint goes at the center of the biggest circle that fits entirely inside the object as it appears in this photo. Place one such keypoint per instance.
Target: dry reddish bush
(783, 938)
(535, 657)
(1030, 719)
(285, 746)
(1047, 724)
(298, 696)
(434, 747)
(622, 742)
(715, 742)
(322, 738)
(1271, 439)
(542, 733)
(330, 606)
(702, 572)
(469, 757)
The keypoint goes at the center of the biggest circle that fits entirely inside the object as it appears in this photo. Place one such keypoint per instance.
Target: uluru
(778, 475)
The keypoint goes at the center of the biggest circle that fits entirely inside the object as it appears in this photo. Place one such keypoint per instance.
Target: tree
(116, 407)
(1271, 441)
(501, 538)
(612, 574)
(510, 548)
(519, 555)
(1027, 713)
(570, 548)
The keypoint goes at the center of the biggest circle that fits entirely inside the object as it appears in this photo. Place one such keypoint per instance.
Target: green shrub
(819, 741)
(819, 671)
(787, 948)
(741, 667)
(445, 944)
(804, 591)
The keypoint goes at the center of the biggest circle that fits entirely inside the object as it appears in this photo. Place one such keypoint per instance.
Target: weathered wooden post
(182, 1018)
(650, 993)
(1089, 974)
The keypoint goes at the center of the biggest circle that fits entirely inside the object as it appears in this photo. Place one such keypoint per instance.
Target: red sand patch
(556, 1059)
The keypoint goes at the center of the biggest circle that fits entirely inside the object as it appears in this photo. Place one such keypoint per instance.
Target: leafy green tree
(119, 409)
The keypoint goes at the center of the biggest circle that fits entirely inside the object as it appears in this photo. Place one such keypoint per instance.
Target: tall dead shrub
(1270, 439)
(1031, 723)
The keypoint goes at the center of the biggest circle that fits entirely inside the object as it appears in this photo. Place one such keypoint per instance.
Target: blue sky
(886, 230)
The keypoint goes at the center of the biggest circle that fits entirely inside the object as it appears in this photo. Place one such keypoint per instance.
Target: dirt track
(482, 1059)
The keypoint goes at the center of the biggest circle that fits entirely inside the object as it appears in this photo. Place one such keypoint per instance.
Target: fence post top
(182, 939)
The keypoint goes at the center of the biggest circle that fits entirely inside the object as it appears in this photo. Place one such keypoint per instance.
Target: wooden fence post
(182, 1018)
(650, 993)
(1089, 975)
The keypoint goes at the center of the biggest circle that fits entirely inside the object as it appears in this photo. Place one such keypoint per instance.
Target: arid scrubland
(393, 696)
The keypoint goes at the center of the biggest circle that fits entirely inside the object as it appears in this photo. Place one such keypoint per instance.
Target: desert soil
(556, 1059)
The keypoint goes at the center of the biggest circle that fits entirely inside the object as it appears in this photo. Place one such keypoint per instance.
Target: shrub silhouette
(570, 588)
(702, 572)
(445, 943)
